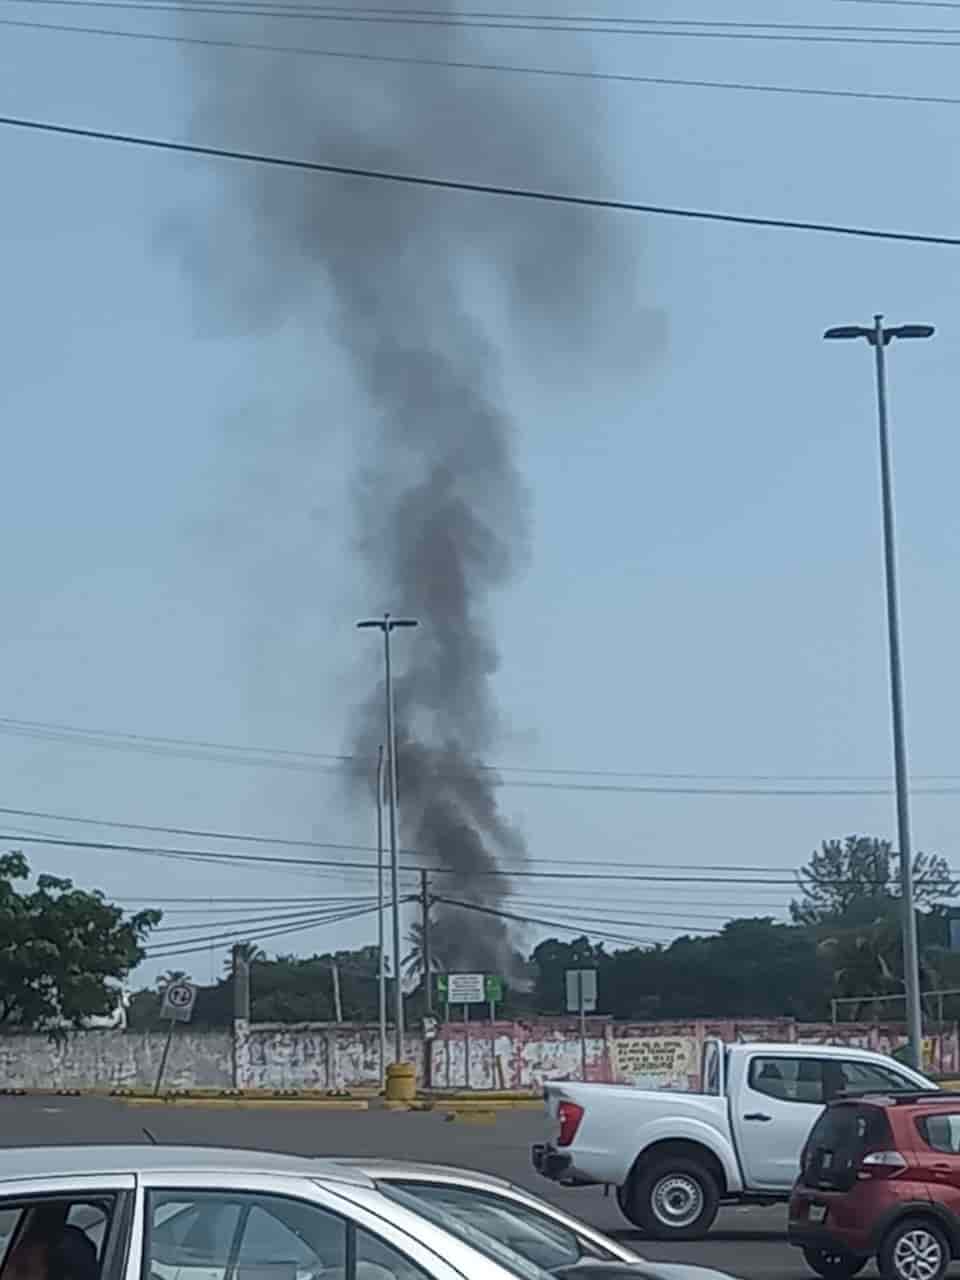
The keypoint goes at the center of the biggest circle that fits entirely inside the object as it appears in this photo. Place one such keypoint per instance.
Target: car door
(86, 1220)
(779, 1102)
(284, 1228)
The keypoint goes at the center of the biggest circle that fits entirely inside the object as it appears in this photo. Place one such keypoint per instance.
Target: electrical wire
(510, 873)
(474, 188)
(784, 32)
(591, 23)
(459, 64)
(204, 944)
(549, 924)
(60, 732)
(281, 917)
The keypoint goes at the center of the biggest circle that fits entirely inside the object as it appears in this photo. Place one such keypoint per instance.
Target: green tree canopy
(856, 882)
(61, 948)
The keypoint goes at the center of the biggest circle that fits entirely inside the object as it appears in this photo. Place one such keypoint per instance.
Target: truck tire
(676, 1198)
(832, 1265)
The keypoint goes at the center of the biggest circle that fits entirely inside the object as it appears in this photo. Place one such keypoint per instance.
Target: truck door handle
(942, 1167)
(758, 1115)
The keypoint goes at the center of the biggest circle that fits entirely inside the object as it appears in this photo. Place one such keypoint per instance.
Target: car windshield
(524, 1228)
(444, 1217)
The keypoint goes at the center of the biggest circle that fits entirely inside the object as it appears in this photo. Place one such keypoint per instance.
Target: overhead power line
(593, 24)
(290, 916)
(460, 64)
(475, 188)
(796, 33)
(561, 926)
(237, 753)
(203, 944)
(229, 859)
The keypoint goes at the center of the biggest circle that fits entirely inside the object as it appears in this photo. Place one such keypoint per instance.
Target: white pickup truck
(675, 1157)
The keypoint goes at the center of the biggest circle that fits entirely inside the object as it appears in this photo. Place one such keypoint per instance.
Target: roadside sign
(178, 1001)
(493, 988)
(462, 988)
(581, 990)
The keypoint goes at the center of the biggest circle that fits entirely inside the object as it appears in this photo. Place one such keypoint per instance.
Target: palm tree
(247, 952)
(413, 960)
(170, 978)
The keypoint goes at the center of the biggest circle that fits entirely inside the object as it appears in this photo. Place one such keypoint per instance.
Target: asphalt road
(747, 1243)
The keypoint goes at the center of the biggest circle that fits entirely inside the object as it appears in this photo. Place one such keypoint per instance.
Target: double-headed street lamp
(387, 625)
(879, 338)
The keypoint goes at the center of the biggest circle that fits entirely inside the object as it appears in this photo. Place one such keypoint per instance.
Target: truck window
(789, 1079)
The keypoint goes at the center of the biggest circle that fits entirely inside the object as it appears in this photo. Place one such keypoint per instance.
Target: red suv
(880, 1177)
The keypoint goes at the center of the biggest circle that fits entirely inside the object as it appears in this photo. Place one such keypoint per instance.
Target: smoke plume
(427, 289)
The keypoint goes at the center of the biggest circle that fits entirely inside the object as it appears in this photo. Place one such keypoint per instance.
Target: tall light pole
(388, 625)
(880, 338)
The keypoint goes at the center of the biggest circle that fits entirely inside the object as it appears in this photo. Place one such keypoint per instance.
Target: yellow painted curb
(481, 1104)
(277, 1104)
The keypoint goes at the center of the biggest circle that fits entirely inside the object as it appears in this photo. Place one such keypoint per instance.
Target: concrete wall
(116, 1060)
(517, 1055)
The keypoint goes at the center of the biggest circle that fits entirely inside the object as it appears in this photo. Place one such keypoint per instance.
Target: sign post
(493, 990)
(465, 989)
(582, 999)
(177, 1006)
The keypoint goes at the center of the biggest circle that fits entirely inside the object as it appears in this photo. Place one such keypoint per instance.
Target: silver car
(183, 1213)
(534, 1228)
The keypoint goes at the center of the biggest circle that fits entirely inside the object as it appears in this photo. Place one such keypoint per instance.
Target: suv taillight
(882, 1164)
(570, 1115)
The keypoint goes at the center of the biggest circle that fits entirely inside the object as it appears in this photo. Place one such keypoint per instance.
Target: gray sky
(704, 594)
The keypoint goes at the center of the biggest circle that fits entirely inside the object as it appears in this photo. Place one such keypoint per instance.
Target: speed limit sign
(178, 1001)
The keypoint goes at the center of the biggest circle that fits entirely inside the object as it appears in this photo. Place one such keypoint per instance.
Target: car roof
(390, 1167)
(17, 1163)
(812, 1050)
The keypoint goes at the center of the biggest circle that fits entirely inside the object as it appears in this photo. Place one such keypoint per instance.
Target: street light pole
(879, 338)
(388, 625)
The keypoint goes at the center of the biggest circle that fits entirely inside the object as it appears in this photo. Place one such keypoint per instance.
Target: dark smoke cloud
(441, 513)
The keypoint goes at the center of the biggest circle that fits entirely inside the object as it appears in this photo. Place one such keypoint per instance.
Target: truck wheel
(675, 1199)
(832, 1265)
(914, 1249)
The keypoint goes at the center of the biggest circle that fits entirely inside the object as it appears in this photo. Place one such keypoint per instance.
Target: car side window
(9, 1218)
(868, 1076)
(941, 1131)
(217, 1235)
(789, 1079)
(377, 1260)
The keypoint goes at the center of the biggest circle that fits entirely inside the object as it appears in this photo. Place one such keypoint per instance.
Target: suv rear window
(839, 1141)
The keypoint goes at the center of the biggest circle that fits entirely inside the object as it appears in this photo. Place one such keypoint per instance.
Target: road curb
(249, 1103)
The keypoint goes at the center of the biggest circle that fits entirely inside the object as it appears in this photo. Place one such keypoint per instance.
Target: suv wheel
(915, 1249)
(833, 1265)
(675, 1199)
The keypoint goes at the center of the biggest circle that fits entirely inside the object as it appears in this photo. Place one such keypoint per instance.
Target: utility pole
(427, 955)
(382, 975)
(879, 338)
(387, 625)
(337, 1005)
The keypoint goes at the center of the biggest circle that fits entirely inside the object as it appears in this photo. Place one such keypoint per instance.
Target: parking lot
(746, 1243)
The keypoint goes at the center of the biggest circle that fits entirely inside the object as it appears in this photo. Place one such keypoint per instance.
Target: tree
(413, 961)
(248, 951)
(856, 882)
(171, 978)
(552, 958)
(61, 948)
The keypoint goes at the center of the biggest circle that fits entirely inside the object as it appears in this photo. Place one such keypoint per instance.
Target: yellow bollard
(401, 1082)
